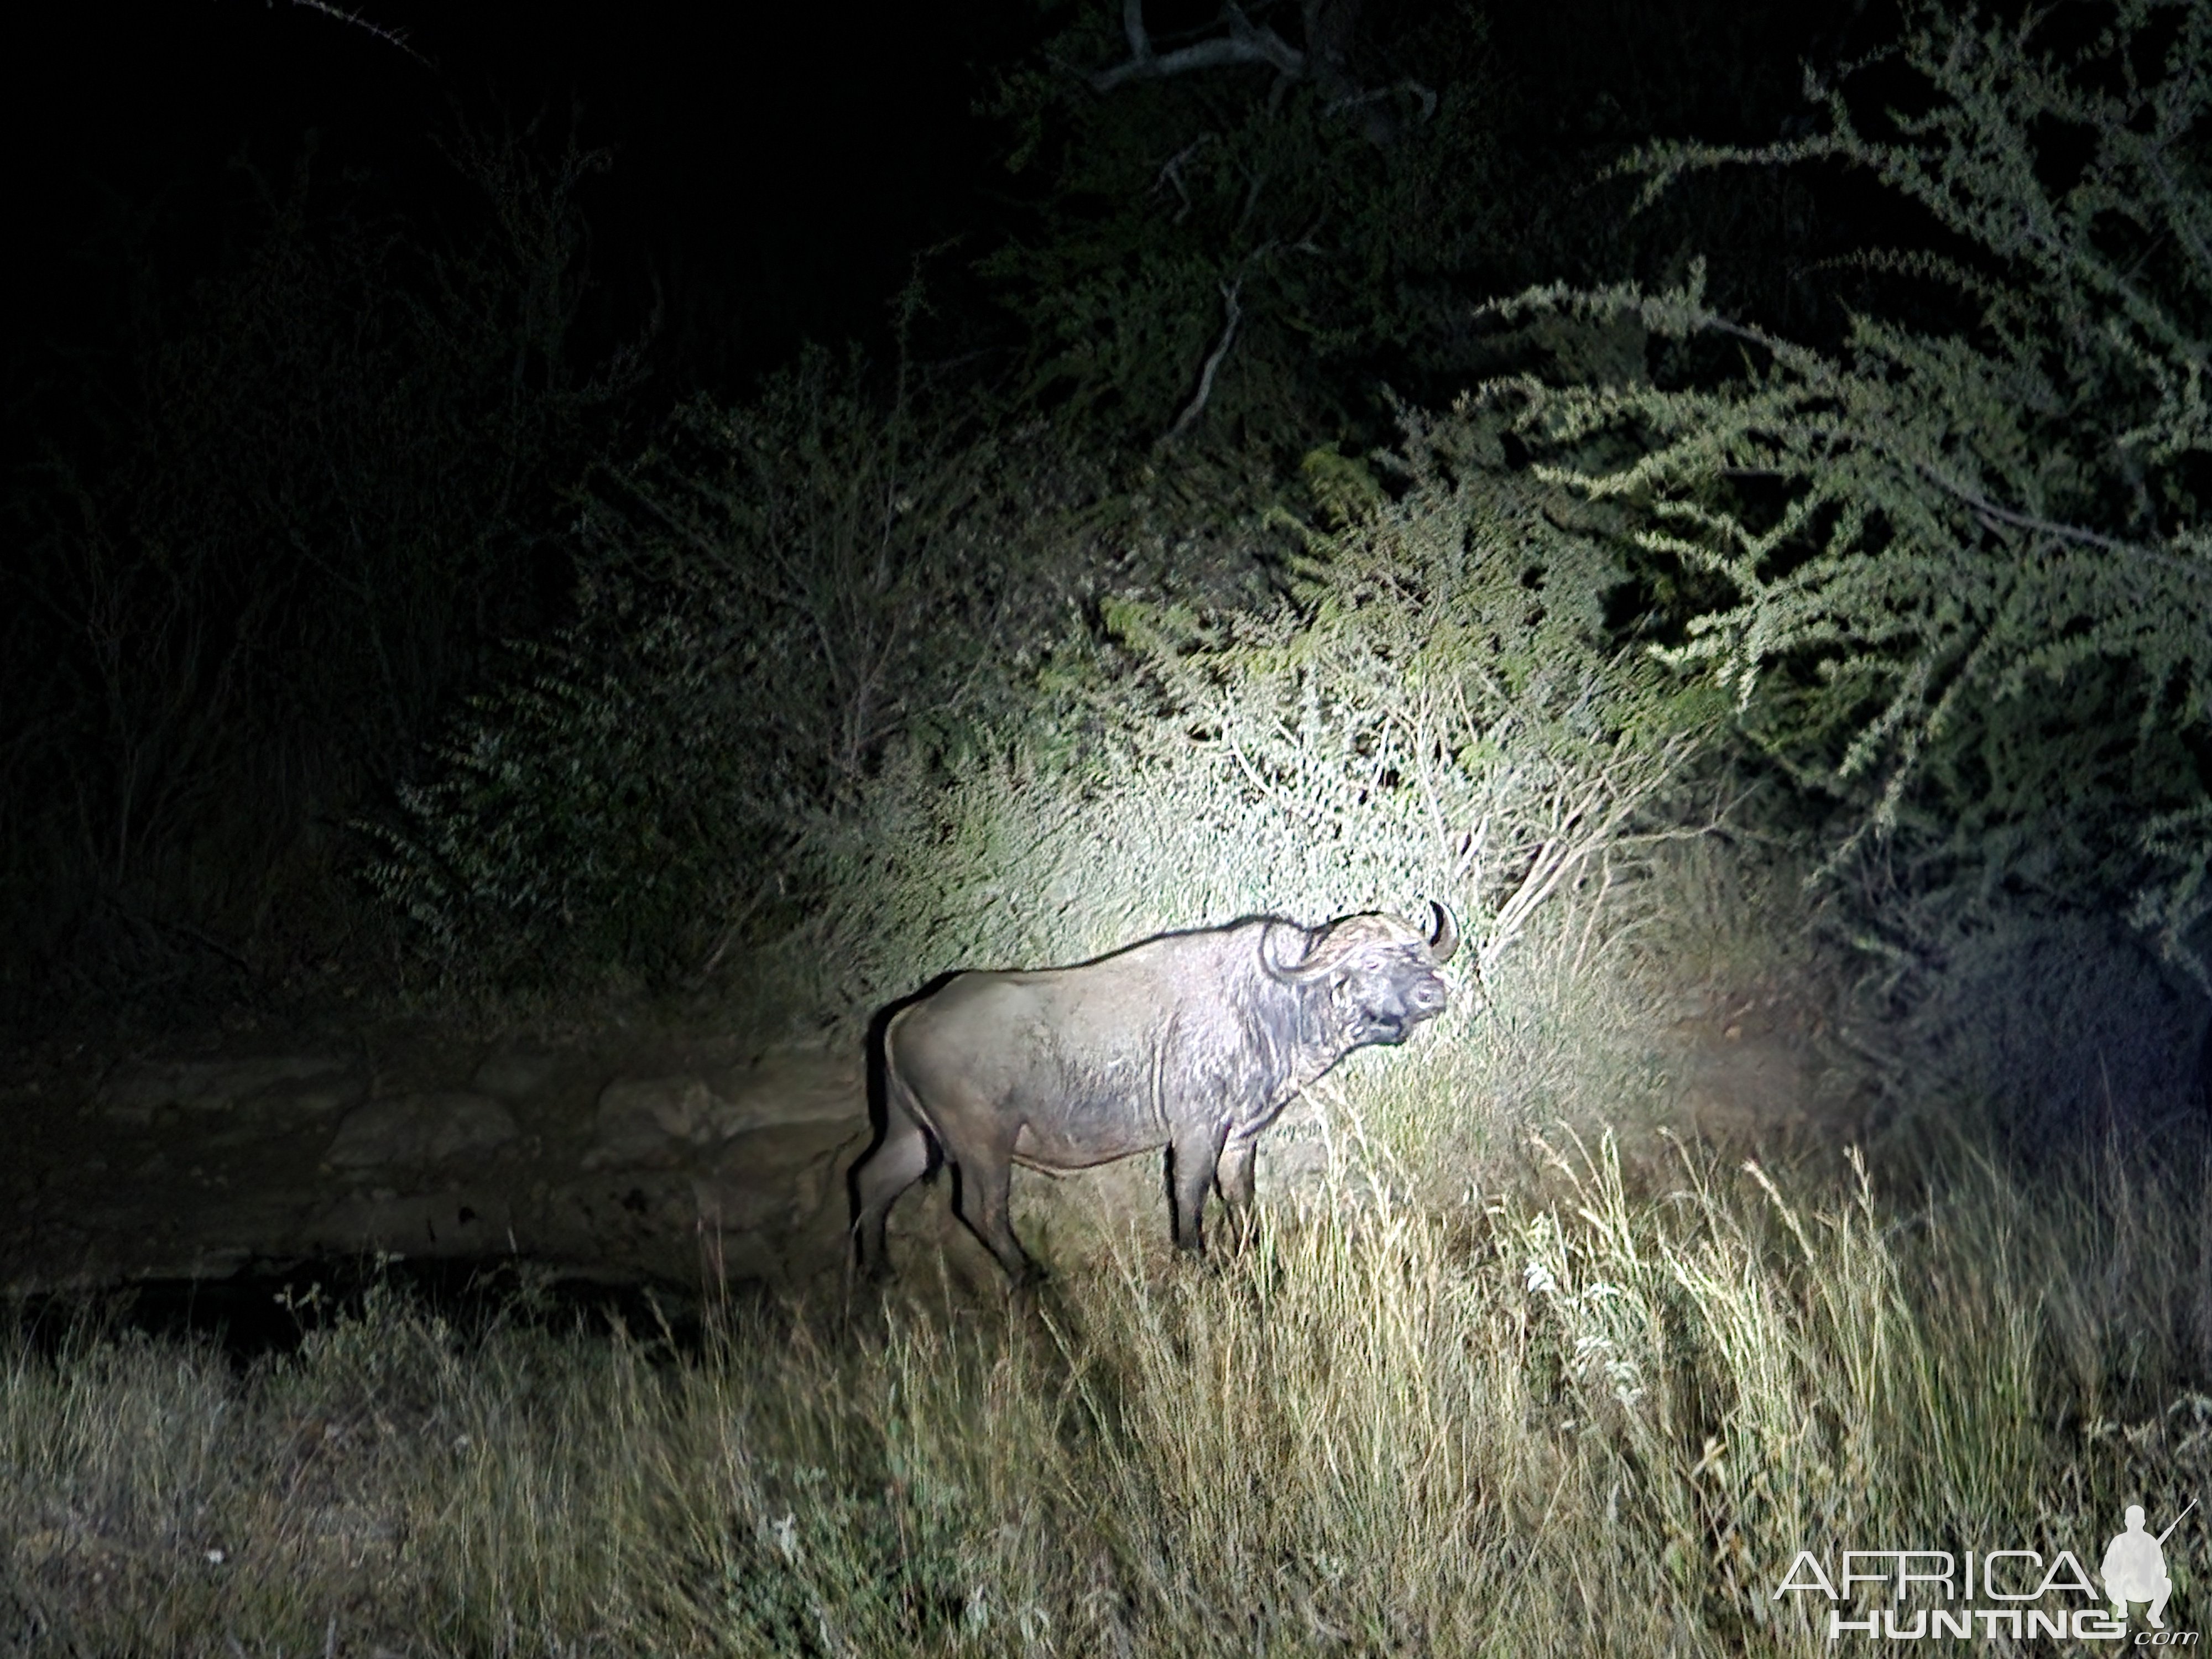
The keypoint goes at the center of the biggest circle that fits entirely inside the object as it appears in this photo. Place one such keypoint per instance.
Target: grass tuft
(1611, 1405)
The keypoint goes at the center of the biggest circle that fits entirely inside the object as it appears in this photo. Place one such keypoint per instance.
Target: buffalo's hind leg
(899, 1159)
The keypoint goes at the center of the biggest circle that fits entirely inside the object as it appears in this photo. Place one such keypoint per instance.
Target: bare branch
(1257, 183)
(1376, 94)
(1232, 314)
(1204, 54)
(1991, 513)
(1245, 43)
(1132, 25)
(1170, 173)
(391, 37)
(1323, 61)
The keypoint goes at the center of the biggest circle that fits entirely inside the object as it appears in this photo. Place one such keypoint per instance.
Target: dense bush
(1955, 570)
(776, 601)
(878, 678)
(1229, 236)
(838, 704)
(1237, 231)
(1435, 709)
(331, 490)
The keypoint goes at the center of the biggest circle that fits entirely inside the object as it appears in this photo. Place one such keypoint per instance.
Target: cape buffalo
(1193, 1042)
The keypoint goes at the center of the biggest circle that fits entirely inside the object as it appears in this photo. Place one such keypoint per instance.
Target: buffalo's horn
(1445, 941)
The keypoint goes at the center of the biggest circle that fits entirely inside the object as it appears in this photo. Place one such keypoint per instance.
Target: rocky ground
(629, 1160)
(624, 1159)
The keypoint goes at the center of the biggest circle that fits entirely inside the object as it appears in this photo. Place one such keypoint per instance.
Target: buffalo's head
(1381, 971)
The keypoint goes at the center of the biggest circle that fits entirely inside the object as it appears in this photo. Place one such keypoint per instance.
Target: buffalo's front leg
(1235, 1183)
(986, 1206)
(1195, 1150)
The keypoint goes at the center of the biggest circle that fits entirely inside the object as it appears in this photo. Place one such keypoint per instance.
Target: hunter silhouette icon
(2134, 1567)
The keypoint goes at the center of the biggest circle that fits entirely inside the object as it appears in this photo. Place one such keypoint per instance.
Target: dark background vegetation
(381, 419)
(279, 276)
(594, 526)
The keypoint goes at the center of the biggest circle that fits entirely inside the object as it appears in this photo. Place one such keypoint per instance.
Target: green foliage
(1955, 568)
(1441, 706)
(1209, 244)
(827, 697)
(775, 599)
(575, 797)
(1437, 710)
(872, 563)
(1243, 250)
(1581, 86)
(330, 497)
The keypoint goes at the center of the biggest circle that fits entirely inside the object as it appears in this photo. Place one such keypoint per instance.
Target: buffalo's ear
(1314, 957)
(1445, 940)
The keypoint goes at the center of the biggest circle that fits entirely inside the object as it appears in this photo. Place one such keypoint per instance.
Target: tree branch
(1245, 43)
(1991, 513)
(1324, 61)
(391, 37)
(1171, 173)
(1361, 99)
(1233, 313)
(1132, 25)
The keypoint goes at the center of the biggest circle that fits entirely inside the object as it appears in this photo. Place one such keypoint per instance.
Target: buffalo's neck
(1298, 1042)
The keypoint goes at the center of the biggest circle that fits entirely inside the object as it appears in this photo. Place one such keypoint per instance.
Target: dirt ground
(613, 1157)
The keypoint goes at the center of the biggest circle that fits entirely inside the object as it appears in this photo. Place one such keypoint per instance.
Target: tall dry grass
(1609, 1406)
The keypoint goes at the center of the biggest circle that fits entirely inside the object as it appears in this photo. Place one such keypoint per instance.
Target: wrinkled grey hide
(1193, 1042)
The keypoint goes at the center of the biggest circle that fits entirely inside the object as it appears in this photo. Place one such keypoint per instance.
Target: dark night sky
(777, 165)
(792, 157)
(774, 167)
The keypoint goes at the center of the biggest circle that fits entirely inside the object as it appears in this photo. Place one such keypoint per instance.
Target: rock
(703, 1156)
(644, 1121)
(790, 1092)
(725, 1209)
(514, 1074)
(205, 1084)
(658, 1122)
(787, 1175)
(311, 1100)
(614, 1215)
(418, 1130)
(218, 1263)
(415, 1223)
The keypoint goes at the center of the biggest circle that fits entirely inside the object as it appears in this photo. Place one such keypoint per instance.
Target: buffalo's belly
(1081, 1140)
